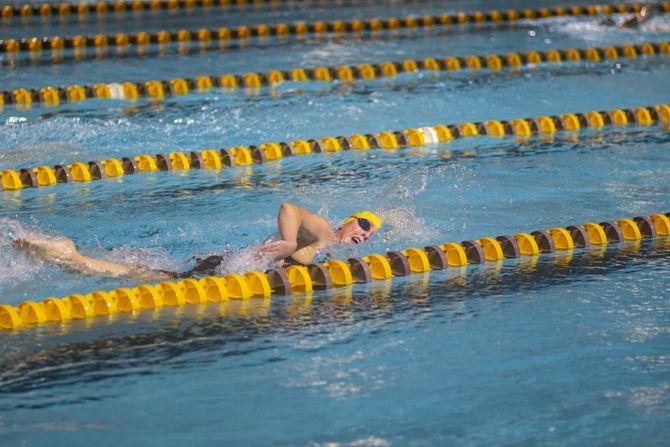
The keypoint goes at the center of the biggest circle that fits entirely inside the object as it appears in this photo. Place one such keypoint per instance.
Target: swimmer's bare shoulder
(318, 230)
(301, 233)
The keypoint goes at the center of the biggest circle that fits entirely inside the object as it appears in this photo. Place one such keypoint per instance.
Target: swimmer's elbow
(287, 207)
(303, 258)
(291, 210)
(305, 255)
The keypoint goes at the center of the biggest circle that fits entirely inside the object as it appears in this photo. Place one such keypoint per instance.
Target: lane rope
(160, 89)
(224, 34)
(332, 274)
(247, 155)
(101, 8)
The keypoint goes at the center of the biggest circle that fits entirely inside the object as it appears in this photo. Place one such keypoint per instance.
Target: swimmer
(301, 235)
(633, 20)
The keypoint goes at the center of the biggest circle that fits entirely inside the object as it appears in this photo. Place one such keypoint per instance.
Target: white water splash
(153, 258)
(595, 31)
(397, 202)
(244, 260)
(14, 265)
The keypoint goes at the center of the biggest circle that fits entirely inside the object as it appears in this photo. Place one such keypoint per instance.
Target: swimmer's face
(356, 231)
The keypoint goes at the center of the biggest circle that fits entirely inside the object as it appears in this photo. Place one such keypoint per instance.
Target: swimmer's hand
(279, 249)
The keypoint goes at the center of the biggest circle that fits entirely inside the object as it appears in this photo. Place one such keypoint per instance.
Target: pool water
(565, 349)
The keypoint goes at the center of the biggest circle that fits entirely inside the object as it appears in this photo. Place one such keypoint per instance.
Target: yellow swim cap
(369, 215)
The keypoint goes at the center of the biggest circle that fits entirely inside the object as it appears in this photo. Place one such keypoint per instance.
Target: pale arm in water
(63, 253)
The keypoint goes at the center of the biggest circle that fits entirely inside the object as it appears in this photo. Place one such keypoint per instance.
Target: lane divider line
(131, 91)
(247, 155)
(224, 34)
(332, 274)
(100, 8)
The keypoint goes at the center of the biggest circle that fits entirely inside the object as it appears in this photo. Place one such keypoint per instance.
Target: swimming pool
(563, 349)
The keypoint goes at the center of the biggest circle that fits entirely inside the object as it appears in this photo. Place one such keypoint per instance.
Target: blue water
(565, 349)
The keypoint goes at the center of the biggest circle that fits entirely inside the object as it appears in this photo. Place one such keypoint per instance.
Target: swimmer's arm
(289, 220)
(306, 254)
(92, 266)
(320, 229)
(64, 254)
(630, 22)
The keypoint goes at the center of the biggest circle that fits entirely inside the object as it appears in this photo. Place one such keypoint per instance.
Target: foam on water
(399, 201)
(15, 266)
(153, 258)
(594, 31)
(397, 206)
(244, 260)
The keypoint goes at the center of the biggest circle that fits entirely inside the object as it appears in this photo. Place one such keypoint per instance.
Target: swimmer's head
(358, 227)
